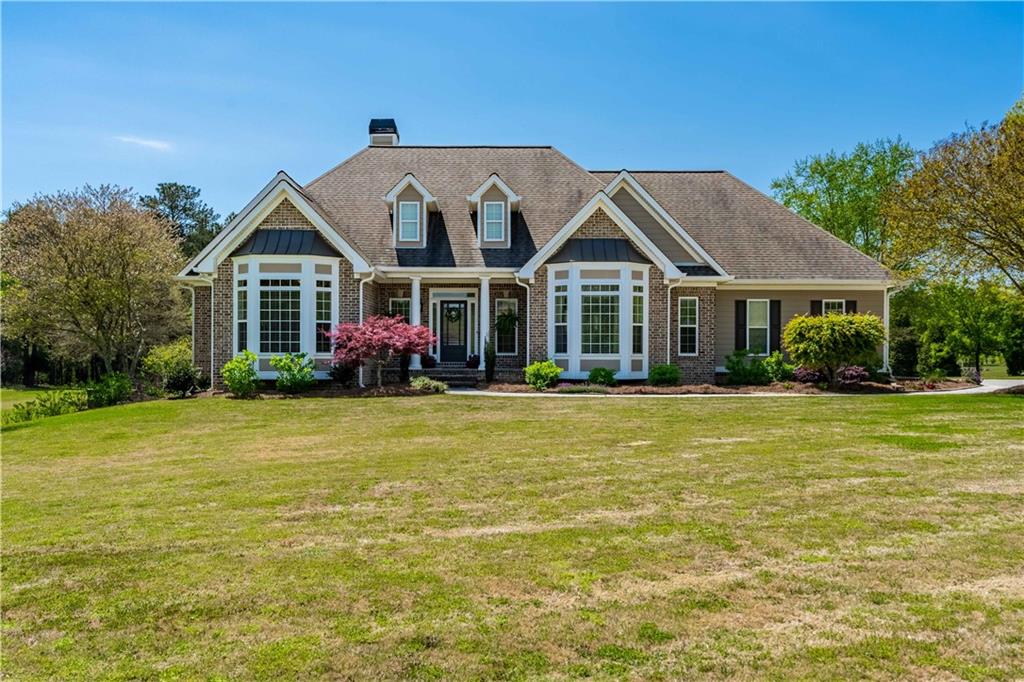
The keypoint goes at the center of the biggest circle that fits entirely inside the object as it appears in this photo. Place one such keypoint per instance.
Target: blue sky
(223, 95)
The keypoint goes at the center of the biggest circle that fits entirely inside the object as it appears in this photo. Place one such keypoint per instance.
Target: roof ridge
(459, 146)
(710, 170)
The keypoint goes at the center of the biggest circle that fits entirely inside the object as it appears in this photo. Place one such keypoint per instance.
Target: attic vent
(383, 132)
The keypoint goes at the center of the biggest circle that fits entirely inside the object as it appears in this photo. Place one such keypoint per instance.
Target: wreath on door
(453, 314)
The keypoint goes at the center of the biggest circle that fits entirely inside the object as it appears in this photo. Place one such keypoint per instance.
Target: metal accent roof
(598, 251)
(286, 243)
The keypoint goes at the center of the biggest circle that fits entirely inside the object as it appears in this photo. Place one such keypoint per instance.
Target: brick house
(617, 269)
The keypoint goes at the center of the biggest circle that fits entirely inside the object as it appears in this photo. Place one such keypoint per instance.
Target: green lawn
(468, 537)
(9, 397)
(997, 371)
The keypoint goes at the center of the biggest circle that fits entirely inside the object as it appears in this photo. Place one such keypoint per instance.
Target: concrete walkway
(987, 386)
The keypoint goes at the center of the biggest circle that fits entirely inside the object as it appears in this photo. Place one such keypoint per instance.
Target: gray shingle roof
(747, 233)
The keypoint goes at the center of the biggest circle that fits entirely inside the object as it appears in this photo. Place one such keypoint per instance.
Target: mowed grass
(9, 397)
(470, 537)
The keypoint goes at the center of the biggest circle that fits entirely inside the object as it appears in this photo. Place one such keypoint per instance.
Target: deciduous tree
(94, 275)
(379, 337)
(843, 193)
(962, 208)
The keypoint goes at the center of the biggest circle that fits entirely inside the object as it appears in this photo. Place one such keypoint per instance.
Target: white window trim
(767, 327)
(398, 218)
(574, 283)
(500, 205)
(826, 301)
(695, 325)
(399, 298)
(307, 318)
(515, 336)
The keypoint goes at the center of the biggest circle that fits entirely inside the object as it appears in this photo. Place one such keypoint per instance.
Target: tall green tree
(966, 317)
(194, 222)
(843, 193)
(961, 210)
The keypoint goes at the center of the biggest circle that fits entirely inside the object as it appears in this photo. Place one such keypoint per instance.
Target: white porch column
(414, 317)
(485, 313)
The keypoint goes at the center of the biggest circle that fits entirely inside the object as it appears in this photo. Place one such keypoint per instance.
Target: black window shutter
(815, 307)
(851, 307)
(774, 325)
(741, 324)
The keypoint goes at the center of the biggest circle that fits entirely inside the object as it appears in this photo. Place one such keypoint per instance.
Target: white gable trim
(494, 181)
(603, 202)
(674, 227)
(277, 190)
(410, 180)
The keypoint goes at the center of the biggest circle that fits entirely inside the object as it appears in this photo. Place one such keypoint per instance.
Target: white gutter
(363, 281)
(527, 287)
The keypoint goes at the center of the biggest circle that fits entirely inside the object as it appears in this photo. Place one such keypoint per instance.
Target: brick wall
(201, 328)
(701, 368)
(286, 217)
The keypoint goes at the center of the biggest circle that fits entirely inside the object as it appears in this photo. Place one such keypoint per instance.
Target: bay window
(597, 317)
(285, 304)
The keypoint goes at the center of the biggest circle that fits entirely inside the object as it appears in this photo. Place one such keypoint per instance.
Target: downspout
(528, 318)
(668, 322)
(363, 281)
(885, 316)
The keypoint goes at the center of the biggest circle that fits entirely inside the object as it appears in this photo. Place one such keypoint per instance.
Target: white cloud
(158, 145)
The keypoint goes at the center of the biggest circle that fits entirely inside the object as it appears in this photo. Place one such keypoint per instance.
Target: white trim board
(270, 197)
(625, 177)
(600, 201)
(406, 181)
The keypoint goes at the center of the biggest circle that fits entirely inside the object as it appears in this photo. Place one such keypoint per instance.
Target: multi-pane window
(638, 319)
(400, 306)
(324, 304)
(505, 338)
(494, 221)
(280, 323)
(757, 326)
(833, 306)
(687, 326)
(561, 319)
(599, 319)
(242, 316)
(409, 221)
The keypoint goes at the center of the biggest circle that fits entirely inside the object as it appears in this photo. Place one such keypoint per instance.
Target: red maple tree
(378, 337)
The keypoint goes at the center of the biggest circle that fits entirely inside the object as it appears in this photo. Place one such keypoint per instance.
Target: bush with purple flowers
(806, 375)
(852, 375)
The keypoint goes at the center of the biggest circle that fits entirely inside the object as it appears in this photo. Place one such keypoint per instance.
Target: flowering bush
(240, 374)
(808, 376)
(378, 337)
(851, 376)
(828, 343)
(428, 385)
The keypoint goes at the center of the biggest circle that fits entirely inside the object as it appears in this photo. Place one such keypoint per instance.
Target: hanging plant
(506, 322)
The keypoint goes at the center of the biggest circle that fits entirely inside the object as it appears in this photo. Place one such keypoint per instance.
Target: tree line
(949, 223)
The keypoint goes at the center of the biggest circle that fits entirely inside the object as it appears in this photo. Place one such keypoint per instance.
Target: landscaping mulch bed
(714, 389)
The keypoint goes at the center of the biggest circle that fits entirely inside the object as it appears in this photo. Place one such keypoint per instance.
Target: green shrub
(602, 376)
(830, 342)
(777, 367)
(937, 355)
(240, 375)
(111, 389)
(294, 372)
(428, 385)
(903, 350)
(49, 404)
(490, 360)
(542, 375)
(664, 375)
(745, 369)
(343, 373)
(170, 367)
(1011, 339)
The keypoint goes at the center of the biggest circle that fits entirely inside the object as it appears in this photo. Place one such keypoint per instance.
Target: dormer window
(493, 203)
(494, 221)
(409, 221)
(410, 202)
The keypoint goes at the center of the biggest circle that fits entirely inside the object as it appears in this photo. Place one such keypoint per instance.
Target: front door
(454, 327)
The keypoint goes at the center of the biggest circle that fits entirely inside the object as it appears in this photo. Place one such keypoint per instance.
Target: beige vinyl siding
(406, 195)
(491, 195)
(649, 225)
(793, 303)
